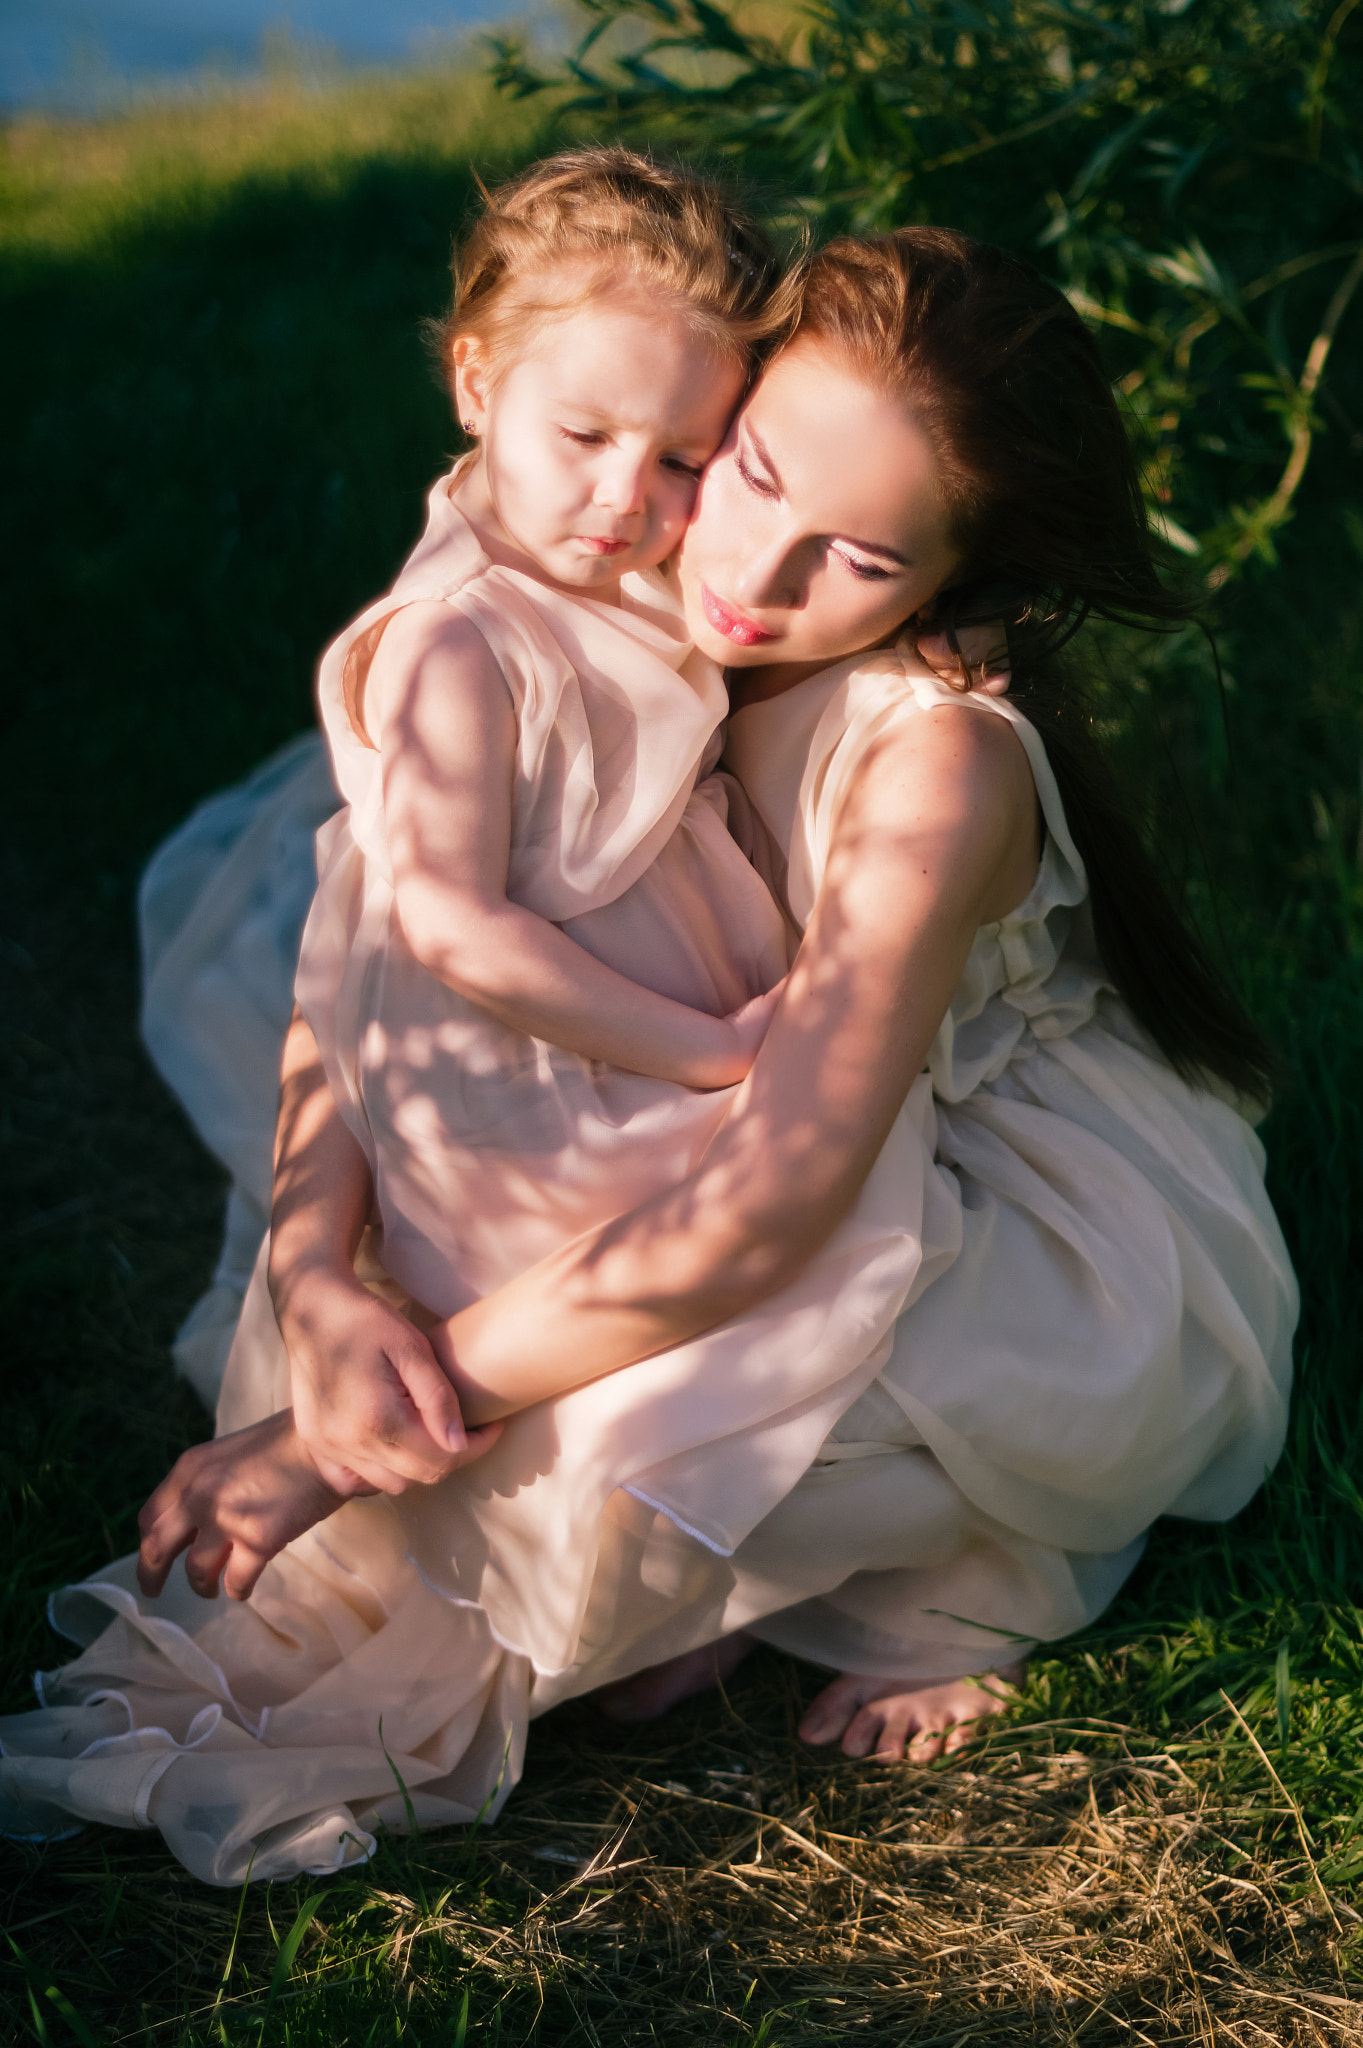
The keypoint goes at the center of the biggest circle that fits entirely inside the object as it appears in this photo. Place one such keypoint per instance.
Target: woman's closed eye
(760, 485)
(584, 437)
(869, 572)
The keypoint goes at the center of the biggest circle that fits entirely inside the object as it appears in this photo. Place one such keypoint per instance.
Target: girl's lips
(596, 546)
(734, 625)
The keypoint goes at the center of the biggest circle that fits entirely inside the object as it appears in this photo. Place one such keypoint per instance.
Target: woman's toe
(864, 1730)
(828, 1716)
(925, 1747)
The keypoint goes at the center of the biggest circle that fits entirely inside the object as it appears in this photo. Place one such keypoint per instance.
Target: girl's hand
(371, 1404)
(751, 1023)
(984, 650)
(233, 1504)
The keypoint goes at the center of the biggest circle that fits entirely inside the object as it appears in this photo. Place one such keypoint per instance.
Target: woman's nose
(772, 579)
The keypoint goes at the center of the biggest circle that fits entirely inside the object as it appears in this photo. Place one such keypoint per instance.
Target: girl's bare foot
(644, 1695)
(883, 1717)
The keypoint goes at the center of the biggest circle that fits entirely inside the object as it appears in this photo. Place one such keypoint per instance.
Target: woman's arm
(447, 733)
(937, 836)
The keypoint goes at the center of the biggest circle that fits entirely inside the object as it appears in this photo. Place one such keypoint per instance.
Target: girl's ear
(471, 384)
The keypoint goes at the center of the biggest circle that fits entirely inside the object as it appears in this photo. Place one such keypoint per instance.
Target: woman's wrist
(301, 1279)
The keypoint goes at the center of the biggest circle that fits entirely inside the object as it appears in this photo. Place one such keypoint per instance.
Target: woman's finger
(378, 1433)
(163, 1538)
(478, 1443)
(432, 1396)
(242, 1571)
(397, 1456)
(208, 1554)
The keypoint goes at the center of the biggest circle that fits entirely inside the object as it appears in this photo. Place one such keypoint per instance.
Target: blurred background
(83, 55)
(220, 231)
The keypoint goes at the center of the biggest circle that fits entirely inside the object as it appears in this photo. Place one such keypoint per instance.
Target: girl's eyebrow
(866, 547)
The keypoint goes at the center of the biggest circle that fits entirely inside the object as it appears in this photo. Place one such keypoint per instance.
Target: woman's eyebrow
(875, 547)
(867, 547)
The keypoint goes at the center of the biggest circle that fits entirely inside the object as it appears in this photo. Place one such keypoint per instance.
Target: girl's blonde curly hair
(595, 220)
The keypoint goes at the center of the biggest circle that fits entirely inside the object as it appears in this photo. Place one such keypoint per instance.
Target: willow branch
(1275, 510)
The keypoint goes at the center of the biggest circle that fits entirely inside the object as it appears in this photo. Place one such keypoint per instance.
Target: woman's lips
(596, 546)
(734, 625)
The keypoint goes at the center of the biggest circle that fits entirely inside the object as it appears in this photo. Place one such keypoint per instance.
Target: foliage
(1189, 172)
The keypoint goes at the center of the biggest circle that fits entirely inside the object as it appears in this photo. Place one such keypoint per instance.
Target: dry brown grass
(1060, 1882)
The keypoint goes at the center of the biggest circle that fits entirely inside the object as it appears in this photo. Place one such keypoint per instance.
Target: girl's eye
(754, 483)
(680, 468)
(583, 437)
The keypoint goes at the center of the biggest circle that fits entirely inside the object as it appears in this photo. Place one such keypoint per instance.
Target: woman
(1091, 1304)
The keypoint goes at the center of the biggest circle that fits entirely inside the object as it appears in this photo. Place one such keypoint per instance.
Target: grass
(226, 424)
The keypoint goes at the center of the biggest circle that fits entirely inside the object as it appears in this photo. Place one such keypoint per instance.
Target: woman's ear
(472, 385)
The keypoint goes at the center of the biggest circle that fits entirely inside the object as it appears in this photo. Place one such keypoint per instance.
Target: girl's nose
(621, 487)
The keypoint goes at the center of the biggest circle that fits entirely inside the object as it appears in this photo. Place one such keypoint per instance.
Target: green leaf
(288, 1948)
(1282, 1693)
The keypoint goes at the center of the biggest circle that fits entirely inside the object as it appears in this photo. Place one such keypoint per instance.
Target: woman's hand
(984, 650)
(371, 1404)
(233, 1504)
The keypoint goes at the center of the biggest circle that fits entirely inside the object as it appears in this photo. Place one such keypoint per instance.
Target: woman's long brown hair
(1044, 498)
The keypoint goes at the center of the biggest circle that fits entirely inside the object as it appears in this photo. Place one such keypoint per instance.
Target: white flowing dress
(1060, 1307)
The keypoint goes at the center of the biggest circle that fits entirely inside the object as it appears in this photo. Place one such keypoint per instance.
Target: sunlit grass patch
(67, 185)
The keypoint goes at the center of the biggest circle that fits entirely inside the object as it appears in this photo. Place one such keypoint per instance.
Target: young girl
(529, 916)
(1001, 1086)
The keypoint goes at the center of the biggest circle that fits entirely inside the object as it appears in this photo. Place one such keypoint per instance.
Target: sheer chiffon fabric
(1060, 1307)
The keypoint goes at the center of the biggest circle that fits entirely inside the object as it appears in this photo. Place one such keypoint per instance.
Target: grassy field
(223, 423)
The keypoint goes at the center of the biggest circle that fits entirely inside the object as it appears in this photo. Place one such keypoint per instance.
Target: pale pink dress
(1060, 1307)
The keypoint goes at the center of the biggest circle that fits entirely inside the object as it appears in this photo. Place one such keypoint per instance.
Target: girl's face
(593, 440)
(819, 528)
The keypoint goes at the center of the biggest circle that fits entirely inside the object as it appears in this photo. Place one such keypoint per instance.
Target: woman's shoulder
(889, 707)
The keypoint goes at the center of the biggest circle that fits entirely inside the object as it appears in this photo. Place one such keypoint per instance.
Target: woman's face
(819, 528)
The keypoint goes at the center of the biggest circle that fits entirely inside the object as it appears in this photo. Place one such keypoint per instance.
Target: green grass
(223, 425)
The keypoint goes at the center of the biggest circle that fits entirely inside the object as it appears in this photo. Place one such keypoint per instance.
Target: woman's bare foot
(644, 1695)
(881, 1717)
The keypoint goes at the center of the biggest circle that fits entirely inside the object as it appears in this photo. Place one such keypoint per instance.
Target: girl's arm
(443, 719)
(372, 1406)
